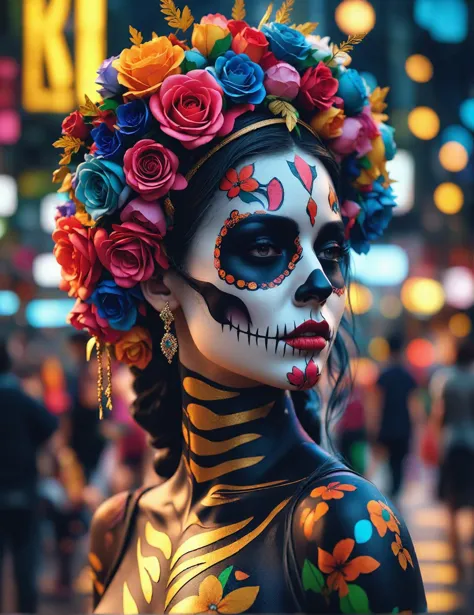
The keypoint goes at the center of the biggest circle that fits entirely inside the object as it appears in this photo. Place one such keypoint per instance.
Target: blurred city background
(413, 294)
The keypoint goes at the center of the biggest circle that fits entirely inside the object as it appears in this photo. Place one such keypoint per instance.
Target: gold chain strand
(100, 378)
(108, 390)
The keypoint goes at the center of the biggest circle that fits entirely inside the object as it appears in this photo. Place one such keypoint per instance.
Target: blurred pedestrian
(351, 431)
(25, 425)
(454, 416)
(395, 403)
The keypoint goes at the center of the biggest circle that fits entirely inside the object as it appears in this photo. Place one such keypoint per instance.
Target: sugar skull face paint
(263, 286)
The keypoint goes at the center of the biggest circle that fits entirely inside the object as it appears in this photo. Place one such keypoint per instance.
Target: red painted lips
(311, 335)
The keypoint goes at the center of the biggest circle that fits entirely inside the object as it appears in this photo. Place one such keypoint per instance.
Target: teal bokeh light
(446, 20)
(466, 112)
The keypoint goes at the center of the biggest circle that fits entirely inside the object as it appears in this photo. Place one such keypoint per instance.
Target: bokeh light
(355, 16)
(365, 371)
(9, 303)
(419, 68)
(449, 198)
(423, 123)
(422, 296)
(361, 298)
(466, 113)
(379, 349)
(402, 171)
(384, 265)
(420, 353)
(49, 313)
(460, 325)
(446, 20)
(46, 270)
(458, 284)
(458, 133)
(8, 195)
(390, 306)
(453, 156)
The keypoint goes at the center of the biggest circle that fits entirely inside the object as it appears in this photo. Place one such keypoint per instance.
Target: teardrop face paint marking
(306, 174)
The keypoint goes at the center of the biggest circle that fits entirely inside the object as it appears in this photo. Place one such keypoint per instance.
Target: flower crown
(118, 168)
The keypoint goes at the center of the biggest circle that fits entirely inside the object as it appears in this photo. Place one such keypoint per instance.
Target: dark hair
(158, 386)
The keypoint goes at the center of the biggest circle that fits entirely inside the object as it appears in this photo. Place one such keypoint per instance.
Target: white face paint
(272, 243)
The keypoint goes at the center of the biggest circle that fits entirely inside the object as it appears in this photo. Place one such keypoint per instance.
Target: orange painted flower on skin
(333, 491)
(134, 348)
(341, 570)
(382, 518)
(309, 518)
(234, 181)
(211, 599)
(143, 68)
(205, 36)
(404, 557)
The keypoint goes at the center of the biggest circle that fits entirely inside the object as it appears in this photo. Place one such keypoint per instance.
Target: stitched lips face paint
(260, 279)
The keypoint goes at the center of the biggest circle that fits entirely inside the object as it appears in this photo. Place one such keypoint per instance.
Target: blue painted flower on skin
(388, 137)
(134, 119)
(100, 185)
(108, 142)
(119, 306)
(193, 59)
(107, 79)
(374, 216)
(353, 91)
(286, 43)
(240, 78)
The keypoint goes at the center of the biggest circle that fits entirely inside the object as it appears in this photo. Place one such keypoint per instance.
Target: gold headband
(241, 133)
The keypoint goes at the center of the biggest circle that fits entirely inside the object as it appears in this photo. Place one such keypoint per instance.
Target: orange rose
(134, 348)
(143, 68)
(205, 36)
(328, 124)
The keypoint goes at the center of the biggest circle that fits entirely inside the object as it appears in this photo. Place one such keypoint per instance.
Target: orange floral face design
(236, 181)
(383, 518)
(340, 569)
(404, 557)
(309, 518)
(333, 491)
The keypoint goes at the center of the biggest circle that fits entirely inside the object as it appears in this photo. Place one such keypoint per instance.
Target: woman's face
(265, 274)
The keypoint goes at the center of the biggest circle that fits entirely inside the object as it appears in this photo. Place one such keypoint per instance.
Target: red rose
(84, 316)
(318, 88)
(189, 108)
(75, 252)
(75, 126)
(251, 42)
(152, 170)
(176, 41)
(268, 60)
(235, 26)
(130, 253)
(108, 117)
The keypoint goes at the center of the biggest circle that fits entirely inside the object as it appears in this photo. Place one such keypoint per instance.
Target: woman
(228, 231)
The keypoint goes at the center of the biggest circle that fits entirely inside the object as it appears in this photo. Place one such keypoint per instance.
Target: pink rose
(84, 316)
(215, 19)
(189, 108)
(147, 214)
(350, 210)
(152, 170)
(357, 135)
(251, 42)
(318, 88)
(282, 80)
(130, 253)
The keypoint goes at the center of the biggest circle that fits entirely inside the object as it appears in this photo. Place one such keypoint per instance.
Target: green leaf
(356, 601)
(312, 577)
(187, 66)
(365, 163)
(224, 576)
(308, 63)
(221, 47)
(109, 104)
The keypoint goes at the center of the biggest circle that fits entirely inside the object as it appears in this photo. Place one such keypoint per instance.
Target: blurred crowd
(59, 461)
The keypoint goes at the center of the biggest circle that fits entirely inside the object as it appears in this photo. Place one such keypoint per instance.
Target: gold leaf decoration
(154, 35)
(286, 110)
(266, 17)
(71, 146)
(89, 109)
(352, 41)
(306, 28)
(283, 13)
(136, 37)
(239, 12)
(177, 18)
(60, 174)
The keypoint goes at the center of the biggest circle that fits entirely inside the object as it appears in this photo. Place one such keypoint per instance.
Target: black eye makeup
(257, 251)
(332, 250)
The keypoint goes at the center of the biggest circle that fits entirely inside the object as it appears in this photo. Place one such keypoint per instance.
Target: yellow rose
(134, 348)
(328, 124)
(205, 36)
(143, 68)
(378, 163)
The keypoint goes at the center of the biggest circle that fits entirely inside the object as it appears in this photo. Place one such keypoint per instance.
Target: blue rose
(353, 91)
(287, 44)
(109, 142)
(134, 119)
(193, 59)
(374, 217)
(117, 305)
(240, 78)
(100, 185)
(388, 137)
(107, 79)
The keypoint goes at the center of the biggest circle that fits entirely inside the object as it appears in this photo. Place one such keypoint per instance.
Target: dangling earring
(169, 343)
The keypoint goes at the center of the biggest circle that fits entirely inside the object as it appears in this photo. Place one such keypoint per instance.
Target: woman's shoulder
(352, 550)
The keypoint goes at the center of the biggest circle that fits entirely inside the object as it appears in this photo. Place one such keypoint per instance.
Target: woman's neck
(235, 436)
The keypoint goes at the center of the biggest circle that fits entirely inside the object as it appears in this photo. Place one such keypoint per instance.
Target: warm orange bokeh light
(421, 353)
(423, 123)
(453, 156)
(419, 68)
(449, 198)
(355, 16)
